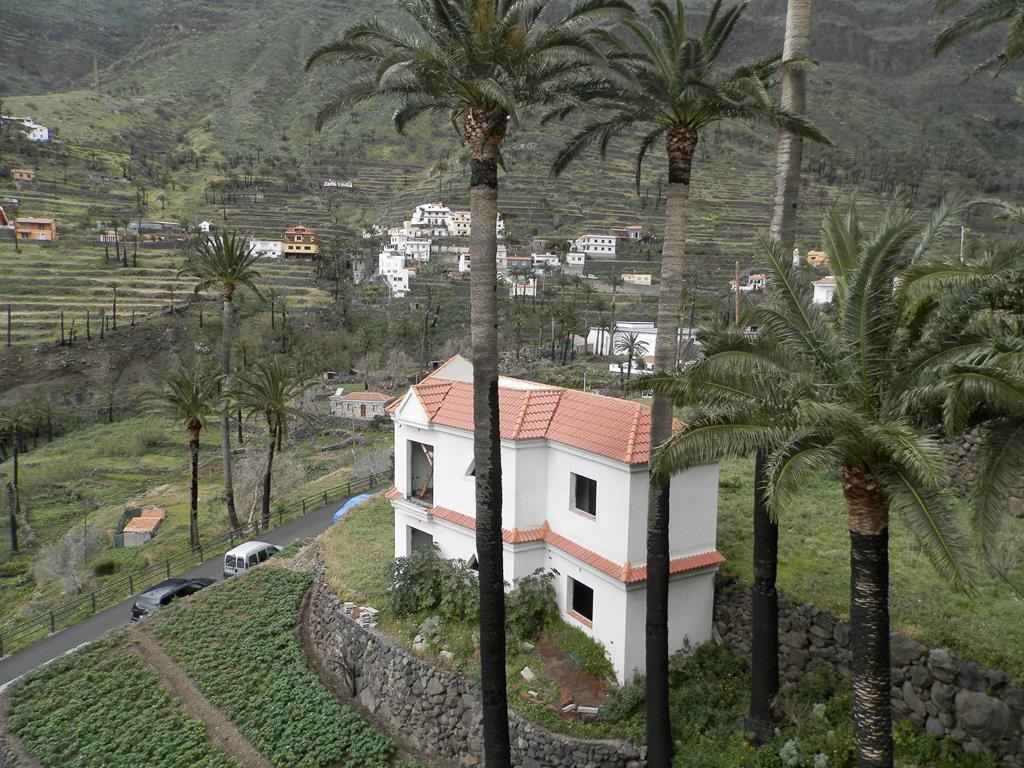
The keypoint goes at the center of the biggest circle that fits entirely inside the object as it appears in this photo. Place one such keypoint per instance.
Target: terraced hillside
(43, 280)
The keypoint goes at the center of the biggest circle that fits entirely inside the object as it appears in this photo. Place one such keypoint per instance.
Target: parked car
(159, 595)
(247, 555)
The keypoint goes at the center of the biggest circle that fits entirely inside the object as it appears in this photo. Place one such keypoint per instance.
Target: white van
(247, 555)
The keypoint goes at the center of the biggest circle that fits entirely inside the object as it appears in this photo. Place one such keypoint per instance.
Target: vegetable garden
(103, 707)
(237, 645)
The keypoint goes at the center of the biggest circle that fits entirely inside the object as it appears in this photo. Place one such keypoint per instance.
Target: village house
(628, 232)
(595, 246)
(817, 259)
(35, 229)
(364, 406)
(548, 260)
(824, 290)
(574, 487)
(574, 261)
(603, 343)
(458, 224)
(300, 243)
(23, 174)
(391, 266)
(752, 284)
(522, 287)
(432, 214)
(109, 236)
(636, 278)
(266, 249)
(336, 184)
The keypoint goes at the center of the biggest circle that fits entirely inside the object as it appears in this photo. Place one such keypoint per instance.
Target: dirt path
(12, 751)
(220, 731)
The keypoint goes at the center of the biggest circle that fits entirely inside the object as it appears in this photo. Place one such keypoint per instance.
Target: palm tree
(669, 84)
(796, 50)
(616, 281)
(630, 345)
(986, 14)
(842, 393)
(228, 262)
(480, 63)
(190, 398)
(268, 389)
(764, 621)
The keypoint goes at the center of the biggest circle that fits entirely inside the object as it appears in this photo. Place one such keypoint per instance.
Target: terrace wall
(981, 709)
(430, 708)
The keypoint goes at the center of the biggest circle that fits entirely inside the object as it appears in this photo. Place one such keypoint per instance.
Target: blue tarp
(348, 505)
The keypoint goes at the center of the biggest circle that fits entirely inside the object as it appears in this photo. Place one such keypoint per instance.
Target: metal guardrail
(65, 614)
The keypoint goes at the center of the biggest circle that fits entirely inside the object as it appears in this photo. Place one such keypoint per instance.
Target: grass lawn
(814, 566)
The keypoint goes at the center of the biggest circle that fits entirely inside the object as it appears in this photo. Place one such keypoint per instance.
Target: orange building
(23, 174)
(35, 229)
(300, 243)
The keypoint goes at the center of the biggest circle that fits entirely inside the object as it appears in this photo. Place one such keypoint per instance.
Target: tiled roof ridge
(521, 416)
(631, 442)
(626, 573)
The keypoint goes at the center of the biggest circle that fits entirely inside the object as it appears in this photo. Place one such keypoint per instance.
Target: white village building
(574, 485)
(458, 224)
(549, 260)
(824, 290)
(595, 246)
(433, 215)
(391, 266)
(603, 343)
(266, 249)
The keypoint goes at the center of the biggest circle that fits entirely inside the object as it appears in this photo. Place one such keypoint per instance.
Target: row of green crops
(236, 643)
(103, 707)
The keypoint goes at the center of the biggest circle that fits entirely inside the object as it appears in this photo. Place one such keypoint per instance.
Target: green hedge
(101, 707)
(237, 644)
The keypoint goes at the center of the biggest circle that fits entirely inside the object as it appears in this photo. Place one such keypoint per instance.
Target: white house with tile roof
(574, 487)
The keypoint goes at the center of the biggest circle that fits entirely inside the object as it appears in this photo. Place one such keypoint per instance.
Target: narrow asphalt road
(93, 628)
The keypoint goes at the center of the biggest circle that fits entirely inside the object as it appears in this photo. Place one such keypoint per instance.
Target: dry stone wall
(428, 707)
(963, 464)
(980, 709)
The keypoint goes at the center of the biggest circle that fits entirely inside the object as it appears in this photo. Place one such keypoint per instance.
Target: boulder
(904, 650)
(943, 665)
(982, 715)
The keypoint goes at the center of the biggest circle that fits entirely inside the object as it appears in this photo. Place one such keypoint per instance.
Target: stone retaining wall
(980, 709)
(428, 707)
(962, 461)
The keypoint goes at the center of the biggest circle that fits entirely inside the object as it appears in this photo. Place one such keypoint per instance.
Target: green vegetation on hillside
(102, 707)
(238, 646)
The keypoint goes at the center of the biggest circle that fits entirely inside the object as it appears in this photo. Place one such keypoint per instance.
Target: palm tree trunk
(193, 500)
(789, 150)
(680, 146)
(225, 424)
(12, 489)
(483, 241)
(868, 509)
(764, 632)
(274, 433)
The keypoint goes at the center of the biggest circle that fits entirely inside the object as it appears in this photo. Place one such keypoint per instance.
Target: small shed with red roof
(364, 406)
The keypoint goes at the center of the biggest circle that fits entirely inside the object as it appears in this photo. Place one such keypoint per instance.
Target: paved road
(93, 628)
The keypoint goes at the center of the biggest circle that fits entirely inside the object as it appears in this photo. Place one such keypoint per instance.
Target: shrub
(624, 702)
(531, 604)
(426, 582)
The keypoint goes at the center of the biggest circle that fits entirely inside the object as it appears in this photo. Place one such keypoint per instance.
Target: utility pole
(737, 281)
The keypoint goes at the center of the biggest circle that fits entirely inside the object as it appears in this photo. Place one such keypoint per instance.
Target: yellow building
(300, 243)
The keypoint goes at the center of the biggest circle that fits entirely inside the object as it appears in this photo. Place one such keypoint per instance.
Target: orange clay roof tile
(607, 426)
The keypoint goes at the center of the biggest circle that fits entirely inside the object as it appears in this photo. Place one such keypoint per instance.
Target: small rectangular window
(582, 598)
(584, 494)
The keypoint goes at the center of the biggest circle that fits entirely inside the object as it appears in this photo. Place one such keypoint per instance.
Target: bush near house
(237, 645)
(102, 706)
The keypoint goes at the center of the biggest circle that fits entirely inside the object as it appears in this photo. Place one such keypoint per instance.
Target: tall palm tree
(764, 621)
(480, 63)
(268, 389)
(796, 50)
(669, 84)
(630, 345)
(227, 262)
(982, 16)
(616, 281)
(843, 393)
(190, 397)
